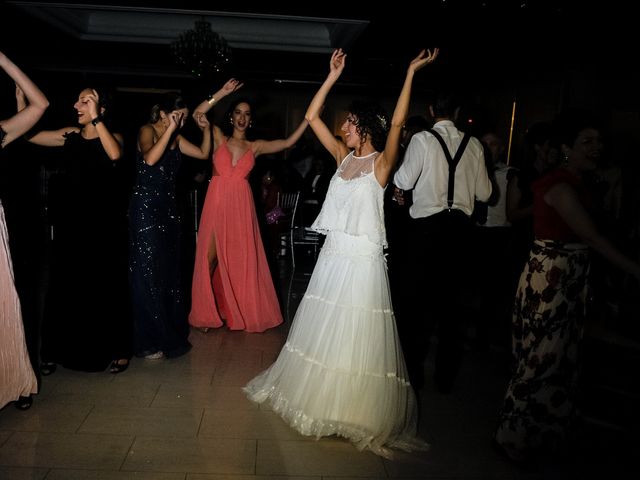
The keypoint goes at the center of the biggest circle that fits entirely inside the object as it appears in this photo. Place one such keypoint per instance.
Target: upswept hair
(373, 122)
(171, 101)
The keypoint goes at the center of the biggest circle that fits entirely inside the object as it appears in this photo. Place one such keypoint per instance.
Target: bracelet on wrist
(211, 101)
(96, 120)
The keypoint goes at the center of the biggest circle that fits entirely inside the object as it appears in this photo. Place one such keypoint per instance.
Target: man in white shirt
(444, 191)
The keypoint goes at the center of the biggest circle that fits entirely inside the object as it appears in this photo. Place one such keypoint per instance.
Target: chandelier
(201, 50)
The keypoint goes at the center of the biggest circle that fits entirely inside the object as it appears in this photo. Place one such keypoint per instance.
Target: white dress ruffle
(341, 370)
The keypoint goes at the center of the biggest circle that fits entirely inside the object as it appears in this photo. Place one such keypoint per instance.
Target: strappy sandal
(117, 367)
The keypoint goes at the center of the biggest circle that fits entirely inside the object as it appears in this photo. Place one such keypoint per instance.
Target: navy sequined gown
(160, 319)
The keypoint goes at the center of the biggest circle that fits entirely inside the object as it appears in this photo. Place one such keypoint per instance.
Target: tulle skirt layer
(341, 370)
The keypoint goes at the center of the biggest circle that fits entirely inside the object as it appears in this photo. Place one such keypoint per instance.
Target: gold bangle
(211, 101)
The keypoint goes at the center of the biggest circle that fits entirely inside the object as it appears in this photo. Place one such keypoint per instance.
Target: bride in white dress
(341, 371)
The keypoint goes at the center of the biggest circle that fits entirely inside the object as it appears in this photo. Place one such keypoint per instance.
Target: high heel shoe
(117, 367)
(24, 403)
(47, 368)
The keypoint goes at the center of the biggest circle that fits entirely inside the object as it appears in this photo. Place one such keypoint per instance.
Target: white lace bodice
(354, 201)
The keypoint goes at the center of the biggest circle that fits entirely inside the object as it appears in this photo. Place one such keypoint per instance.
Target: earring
(231, 121)
(250, 124)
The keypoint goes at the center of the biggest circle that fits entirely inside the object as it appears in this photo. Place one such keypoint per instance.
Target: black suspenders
(453, 162)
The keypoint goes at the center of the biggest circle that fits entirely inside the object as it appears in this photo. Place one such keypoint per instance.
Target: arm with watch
(112, 143)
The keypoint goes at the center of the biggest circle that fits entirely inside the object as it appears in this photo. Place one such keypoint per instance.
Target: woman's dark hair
(569, 124)
(171, 101)
(536, 135)
(227, 128)
(372, 122)
(104, 100)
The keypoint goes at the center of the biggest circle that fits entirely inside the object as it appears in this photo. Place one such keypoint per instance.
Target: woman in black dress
(87, 321)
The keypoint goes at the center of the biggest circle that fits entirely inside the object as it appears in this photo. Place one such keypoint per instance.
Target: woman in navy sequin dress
(160, 316)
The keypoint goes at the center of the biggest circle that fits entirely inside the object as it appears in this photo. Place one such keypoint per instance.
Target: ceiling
(149, 25)
(133, 41)
(483, 43)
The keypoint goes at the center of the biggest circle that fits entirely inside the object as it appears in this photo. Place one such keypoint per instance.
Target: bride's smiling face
(350, 129)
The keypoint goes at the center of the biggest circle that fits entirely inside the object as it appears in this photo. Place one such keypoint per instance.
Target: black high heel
(47, 368)
(117, 367)
(24, 403)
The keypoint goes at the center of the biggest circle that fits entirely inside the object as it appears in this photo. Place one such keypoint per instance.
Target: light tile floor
(187, 419)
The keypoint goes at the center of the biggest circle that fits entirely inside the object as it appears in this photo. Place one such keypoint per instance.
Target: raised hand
(176, 119)
(231, 86)
(93, 100)
(337, 63)
(425, 57)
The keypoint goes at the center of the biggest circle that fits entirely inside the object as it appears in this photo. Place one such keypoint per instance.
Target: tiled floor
(187, 419)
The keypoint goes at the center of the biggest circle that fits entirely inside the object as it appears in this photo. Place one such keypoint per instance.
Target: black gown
(87, 317)
(160, 314)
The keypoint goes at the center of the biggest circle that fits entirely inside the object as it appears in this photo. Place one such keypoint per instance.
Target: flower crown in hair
(383, 121)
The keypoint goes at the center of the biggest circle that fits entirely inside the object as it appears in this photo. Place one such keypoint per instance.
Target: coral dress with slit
(240, 289)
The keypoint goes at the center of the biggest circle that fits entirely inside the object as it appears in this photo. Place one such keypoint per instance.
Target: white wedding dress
(341, 371)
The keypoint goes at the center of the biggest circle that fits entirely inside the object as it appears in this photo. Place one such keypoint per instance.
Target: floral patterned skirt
(548, 321)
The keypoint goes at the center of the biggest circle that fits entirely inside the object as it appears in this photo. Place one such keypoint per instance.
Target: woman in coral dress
(231, 278)
(17, 379)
